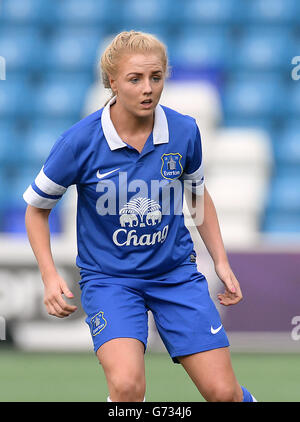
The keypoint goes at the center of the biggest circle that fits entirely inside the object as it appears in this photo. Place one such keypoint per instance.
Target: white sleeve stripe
(47, 185)
(196, 175)
(36, 200)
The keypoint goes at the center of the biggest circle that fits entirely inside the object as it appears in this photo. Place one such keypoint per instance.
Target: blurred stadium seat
(272, 11)
(7, 134)
(23, 48)
(250, 95)
(26, 11)
(57, 97)
(293, 103)
(93, 12)
(196, 98)
(12, 145)
(13, 209)
(238, 179)
(14, 94)
(74, 49)
(212, 12)
(41, 136)
(284, 195)
(246, 150)
(281, 223)
(264, 48)
(283, 204)
(206, 48)
(156, 12)
(287, 147)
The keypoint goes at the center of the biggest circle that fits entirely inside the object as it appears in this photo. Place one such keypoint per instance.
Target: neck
(128, 122)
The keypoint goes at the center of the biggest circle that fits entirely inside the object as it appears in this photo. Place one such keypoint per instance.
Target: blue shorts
(185, 315)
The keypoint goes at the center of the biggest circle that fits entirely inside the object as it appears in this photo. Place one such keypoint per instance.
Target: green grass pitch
(29, 377)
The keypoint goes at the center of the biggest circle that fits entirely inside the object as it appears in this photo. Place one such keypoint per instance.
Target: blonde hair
(130, 42)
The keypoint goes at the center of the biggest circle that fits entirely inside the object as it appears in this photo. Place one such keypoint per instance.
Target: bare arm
(210, 233)
(37, 226)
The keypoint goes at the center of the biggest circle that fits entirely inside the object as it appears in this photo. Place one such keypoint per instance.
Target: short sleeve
(57, 174)
(193, 174)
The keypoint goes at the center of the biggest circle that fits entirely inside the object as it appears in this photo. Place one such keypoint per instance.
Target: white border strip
(160, 128)
(47, 185)
(36, 200)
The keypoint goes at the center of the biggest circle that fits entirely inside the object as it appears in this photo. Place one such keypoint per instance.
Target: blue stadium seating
(61, 95)
(287, 147)
(7, 133)
(264, 49)
(284, 194)
(243, 47)
(250, 96)
(136, 12)
(26, 11)
(272, 11)
(13, 219)
(12, 182)
(2, 187)
(282, 223)
(12, 145)
(206, 48)
(22, 48)
(41, 137)
(212, 11)
(293, 96)
(24, 176)
(74, 49)
(14, 95)
(91, 12)
(13, 208)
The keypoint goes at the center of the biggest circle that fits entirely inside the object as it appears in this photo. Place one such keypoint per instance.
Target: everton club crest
(98, 322)
(171, 166)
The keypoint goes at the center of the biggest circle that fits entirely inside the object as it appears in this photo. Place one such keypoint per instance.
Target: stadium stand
(241, 51)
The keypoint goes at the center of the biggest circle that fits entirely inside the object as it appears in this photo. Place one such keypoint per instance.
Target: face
(139, 78)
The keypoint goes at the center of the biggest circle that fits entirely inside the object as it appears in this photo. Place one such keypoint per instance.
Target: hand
(55, 304)
(232, 294)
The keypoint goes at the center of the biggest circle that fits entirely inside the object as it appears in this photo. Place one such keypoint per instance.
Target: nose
(147, 87)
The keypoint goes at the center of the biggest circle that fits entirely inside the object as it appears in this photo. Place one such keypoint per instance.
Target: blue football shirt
(129, 207)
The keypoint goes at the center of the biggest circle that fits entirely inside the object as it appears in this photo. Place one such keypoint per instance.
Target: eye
(156, 78)
(134, 80)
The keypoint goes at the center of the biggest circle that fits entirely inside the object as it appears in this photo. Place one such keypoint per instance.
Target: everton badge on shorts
(98, 322)
(171, 166)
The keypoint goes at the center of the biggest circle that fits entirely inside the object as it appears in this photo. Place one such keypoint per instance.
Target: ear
(112, 83)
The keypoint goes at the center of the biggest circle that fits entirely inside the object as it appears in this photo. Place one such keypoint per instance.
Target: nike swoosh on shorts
(215, 330)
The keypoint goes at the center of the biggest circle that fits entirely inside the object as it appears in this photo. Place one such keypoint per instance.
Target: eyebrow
(137, 73)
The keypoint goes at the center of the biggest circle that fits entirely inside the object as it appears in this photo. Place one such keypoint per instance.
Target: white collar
(160, 128)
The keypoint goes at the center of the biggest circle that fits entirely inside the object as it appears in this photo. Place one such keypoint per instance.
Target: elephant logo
(130, 219)
(153, 217)
(140, 212)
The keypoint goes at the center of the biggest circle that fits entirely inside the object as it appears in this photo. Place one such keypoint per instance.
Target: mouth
(147, 103)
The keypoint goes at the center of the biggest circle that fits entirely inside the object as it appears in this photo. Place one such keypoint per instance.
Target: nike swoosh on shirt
(215, 331)
(101, 175)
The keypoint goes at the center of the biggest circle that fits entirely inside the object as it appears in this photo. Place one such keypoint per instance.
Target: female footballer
(131, 161)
